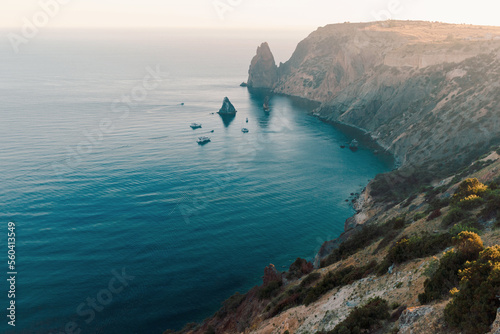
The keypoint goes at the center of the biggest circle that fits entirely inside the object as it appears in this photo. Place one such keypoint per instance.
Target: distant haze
(283, 14)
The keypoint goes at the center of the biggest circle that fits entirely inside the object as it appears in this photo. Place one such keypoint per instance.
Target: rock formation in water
(227, 108)
(263, 72)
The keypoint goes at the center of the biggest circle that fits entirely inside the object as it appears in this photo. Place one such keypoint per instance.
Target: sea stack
(263, 72)
(227, 108)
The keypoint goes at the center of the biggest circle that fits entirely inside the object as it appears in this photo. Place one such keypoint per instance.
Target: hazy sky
(242, 13)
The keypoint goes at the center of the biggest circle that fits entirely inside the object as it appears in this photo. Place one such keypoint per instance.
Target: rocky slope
(283, 303)
(429, 93)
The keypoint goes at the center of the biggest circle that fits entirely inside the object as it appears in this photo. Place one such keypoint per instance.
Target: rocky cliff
(427, 92)
(263, 72)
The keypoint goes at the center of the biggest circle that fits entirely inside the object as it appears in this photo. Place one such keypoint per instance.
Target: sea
(123, 222)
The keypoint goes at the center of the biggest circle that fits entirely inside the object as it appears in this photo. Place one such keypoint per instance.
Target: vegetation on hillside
(364, 319)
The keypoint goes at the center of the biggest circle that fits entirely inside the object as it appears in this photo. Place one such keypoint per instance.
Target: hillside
(428, 93)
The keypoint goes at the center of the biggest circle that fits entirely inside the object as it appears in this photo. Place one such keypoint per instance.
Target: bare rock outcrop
(263, 72)
(227, 108)
(271, 274)
(411, 316)
(495, 328)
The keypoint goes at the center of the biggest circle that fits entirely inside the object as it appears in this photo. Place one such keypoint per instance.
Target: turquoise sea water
(97, 187)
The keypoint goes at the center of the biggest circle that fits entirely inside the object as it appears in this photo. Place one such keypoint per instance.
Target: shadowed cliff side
(263, 72)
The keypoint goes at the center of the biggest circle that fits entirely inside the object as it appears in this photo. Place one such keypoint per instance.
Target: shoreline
(361, 135)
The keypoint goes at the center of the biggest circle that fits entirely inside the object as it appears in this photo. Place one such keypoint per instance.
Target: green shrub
(470, 202)
(437, 204)
(397, 223)
(395, 305)
(337, 278)
(455, 216)
(364, 237)
(492, 207)
(419, 215)
(409, 248)
(383, 267)
(270, 290)
(460, 227)
(444, 279)
(389, 237)
(360, 239)
(364, 319)
(477, 297)
(468, 246)
(309, 279)
(467, 188)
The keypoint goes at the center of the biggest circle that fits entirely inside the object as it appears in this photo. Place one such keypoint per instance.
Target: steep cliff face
(427, 92)
(263, 72)
(443, 112)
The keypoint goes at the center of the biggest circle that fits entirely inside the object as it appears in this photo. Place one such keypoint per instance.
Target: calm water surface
(97, 187)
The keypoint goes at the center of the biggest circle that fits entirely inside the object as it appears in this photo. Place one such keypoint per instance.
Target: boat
(203, 140)
(195, 125)
(266, 104)
(354, 145)
(244, 130)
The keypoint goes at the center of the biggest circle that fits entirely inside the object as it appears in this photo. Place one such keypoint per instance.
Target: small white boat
(244, 130)
(354, 145)
(203, 140)
(195, 125)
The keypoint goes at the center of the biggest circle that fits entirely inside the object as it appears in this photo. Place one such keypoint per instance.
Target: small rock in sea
(243, 84)
(347, 200)
(227, 108)
(352, 194)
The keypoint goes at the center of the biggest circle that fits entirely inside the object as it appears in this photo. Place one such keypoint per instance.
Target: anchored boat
(203, 140)
(195, 125)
